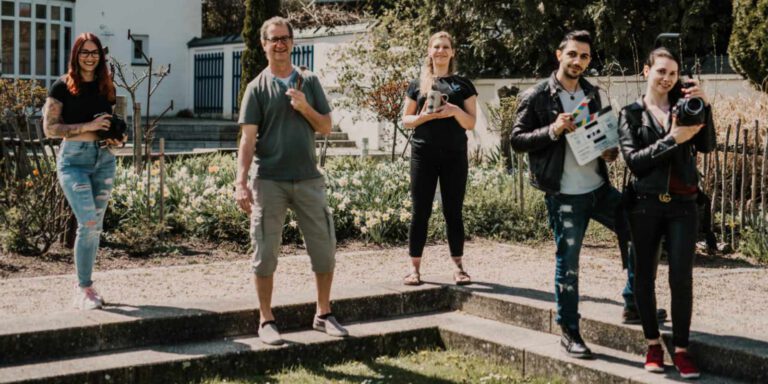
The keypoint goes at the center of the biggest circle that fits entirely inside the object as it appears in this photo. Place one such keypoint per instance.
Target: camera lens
(694, 106)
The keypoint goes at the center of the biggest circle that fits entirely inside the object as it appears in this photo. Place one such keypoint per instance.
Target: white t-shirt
(577, 179)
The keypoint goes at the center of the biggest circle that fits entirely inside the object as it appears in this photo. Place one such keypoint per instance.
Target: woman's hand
(100, 123)
(683, 133)
(117, 143)
(445, 111)
(695, 91)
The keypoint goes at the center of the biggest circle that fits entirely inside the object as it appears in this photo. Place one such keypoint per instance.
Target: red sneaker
(654, 359)
(685, 365)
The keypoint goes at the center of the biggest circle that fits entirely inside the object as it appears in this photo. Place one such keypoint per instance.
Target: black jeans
(677, 221)
(428, 165)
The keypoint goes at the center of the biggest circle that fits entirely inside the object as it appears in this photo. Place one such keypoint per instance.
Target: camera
(117, 128)
(689, 111)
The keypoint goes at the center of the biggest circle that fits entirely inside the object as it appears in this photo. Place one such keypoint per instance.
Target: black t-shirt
(443, 133)
(80, 108)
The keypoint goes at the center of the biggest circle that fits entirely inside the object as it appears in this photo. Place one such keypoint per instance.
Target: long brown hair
(427, 78)
(73, 77)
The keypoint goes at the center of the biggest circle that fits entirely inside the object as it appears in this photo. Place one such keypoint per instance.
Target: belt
(666, 197)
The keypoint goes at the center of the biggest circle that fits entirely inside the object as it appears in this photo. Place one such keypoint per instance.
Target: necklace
(571, 94)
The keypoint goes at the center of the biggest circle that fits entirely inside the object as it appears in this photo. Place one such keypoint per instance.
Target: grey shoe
(330, 326)
(268, 333)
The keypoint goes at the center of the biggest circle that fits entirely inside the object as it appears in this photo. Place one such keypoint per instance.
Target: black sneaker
(630, 316)
(573, 344)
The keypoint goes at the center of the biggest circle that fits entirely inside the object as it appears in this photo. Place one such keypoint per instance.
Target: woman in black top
(439, 151)
(79, 105)
(662, 157)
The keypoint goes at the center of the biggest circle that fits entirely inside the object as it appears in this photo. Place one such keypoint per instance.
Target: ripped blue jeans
(569, 217)
(86, 174)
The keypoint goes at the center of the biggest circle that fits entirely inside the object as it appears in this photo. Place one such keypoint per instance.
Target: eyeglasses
(279, 39)
(83, 53)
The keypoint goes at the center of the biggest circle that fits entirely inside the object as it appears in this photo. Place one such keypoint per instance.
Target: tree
(253, 60)
(749, 41)
(374, 70)
(223, 17)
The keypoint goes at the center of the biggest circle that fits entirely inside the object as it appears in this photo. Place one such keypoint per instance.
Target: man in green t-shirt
(281, 110)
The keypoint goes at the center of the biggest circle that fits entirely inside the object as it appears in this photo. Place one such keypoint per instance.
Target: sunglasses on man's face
(279, 39)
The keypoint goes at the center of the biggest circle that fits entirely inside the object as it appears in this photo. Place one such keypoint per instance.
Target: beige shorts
(308, 200)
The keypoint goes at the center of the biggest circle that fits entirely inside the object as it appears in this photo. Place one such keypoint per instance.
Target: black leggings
(428, 164)
(677, 221)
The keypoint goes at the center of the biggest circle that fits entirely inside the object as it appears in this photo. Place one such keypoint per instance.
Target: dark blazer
(650, 152)
(537, 109)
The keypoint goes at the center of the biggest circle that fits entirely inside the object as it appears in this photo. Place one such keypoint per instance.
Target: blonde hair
(427, 78)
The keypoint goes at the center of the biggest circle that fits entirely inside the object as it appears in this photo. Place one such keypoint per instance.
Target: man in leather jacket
(574, 193)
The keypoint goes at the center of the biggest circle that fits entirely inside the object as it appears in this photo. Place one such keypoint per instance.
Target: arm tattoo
(53, 126)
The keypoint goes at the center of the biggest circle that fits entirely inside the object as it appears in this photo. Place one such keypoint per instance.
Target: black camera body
(117, 128)
(689, 111)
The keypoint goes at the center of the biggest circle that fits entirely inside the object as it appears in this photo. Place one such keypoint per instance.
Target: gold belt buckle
(665, 198)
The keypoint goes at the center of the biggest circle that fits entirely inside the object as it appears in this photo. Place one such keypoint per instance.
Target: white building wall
(170, 24)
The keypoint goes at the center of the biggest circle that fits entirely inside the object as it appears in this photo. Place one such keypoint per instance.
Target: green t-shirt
(285, 149)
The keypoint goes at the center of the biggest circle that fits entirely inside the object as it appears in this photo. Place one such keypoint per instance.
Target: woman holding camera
(660, 135)
(85, 166)
(440, 106)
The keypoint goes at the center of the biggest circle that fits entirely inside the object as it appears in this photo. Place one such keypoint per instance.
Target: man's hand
(298, 100)
(244, 197)
(610, 154)
(563, 123)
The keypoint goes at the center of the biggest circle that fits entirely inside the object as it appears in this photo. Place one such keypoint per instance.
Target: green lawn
(430, 367)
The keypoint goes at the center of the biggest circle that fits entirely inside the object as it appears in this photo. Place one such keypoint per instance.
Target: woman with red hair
(79, 104)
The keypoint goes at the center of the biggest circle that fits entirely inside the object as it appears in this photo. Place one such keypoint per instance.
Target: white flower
(342, 206)
(343, 182)
(199, 220)
(385, 217)
(293, 224)
(337, 196)
(405, 216)
(377, 200)
(357, 182)
(407, 203)
(363, 229)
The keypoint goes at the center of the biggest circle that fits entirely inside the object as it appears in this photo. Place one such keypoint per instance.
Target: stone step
(122, 326)
(221, 357)
(28, 341)
(533, 353)
(733, 356)
(538, 354)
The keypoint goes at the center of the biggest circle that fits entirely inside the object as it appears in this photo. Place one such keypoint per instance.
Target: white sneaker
(330, 326)
(87, 298)
(268, 333)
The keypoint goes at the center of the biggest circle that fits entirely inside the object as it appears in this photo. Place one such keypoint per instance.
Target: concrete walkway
(730, 299)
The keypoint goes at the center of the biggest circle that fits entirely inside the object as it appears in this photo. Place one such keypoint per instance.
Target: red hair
(73, 77)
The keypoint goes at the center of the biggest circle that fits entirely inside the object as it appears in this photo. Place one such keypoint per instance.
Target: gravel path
(731, 298)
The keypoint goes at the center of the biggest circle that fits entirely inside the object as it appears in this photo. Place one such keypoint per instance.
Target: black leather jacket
(537, 109)
(650, 152)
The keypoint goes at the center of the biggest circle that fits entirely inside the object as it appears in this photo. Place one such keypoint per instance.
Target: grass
(429, 367)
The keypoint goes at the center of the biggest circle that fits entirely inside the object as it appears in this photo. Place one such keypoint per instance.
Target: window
(55, 56)
(141, 44)
(55, 13)
(25, 10)
(40, 11)
(67, 14)
(25, 48)
(8, 9)
(8, 58)
(40, 49)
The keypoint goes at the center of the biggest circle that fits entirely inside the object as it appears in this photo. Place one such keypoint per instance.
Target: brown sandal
(412, 278)
(462, 278)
